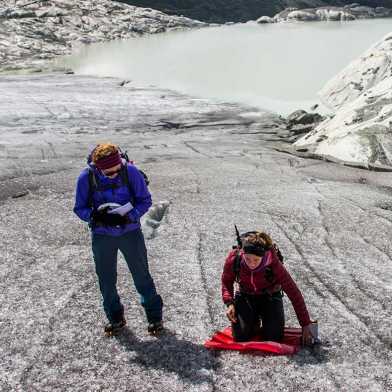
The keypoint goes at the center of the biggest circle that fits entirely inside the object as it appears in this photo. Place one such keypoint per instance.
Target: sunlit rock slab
(364, 73)
(360, 132)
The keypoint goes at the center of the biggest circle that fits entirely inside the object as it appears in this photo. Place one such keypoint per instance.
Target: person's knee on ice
(111, 181)
(242, 316)
(255, 270)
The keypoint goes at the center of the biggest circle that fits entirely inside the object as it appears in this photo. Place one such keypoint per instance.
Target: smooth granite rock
(361, 74)
(361, 130)
(361, 95)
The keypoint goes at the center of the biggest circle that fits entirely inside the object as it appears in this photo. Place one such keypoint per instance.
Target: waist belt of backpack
(265, 292)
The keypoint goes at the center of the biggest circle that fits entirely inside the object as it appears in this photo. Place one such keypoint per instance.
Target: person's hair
(259, 238)
(103, 150)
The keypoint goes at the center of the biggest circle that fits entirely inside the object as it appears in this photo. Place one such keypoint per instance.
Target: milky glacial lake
(279, 67)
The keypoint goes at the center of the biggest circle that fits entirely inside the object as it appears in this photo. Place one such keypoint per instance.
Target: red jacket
(255, 282)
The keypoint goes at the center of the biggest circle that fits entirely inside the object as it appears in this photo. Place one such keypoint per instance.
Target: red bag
(223, 340)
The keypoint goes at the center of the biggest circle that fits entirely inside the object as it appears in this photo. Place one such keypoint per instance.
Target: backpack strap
(269, 273)
(125, 181)
(237, 267)
(92, 186)
(146, 179)
(124, 176)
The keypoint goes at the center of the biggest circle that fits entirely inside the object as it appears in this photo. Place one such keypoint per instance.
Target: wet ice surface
(209, 168)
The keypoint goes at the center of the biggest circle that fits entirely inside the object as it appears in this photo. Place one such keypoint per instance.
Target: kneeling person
(111, 179)
(261, 277)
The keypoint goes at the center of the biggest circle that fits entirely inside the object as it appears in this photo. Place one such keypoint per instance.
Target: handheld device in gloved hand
(114, 220)
(97, 216)
(104, 218)
(312, 330)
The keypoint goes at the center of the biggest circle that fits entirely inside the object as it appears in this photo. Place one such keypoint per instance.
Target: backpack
(96, 186)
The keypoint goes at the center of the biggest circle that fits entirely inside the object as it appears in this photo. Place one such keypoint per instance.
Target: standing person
(111, 179)
(261, 277)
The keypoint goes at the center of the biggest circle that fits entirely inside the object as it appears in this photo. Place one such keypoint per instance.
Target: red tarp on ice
(223, 340)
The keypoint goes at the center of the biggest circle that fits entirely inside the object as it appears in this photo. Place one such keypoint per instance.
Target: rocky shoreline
(32, 34)
(330, 13)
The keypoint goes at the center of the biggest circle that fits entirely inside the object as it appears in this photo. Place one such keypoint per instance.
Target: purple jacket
(140, 197)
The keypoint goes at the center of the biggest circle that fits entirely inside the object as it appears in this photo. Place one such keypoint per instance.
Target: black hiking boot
(113, 329)
(155, 328)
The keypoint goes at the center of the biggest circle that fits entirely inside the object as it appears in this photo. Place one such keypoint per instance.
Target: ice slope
(213, 166)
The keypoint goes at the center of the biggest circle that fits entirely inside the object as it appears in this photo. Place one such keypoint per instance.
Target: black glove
(97, 216)
(114, 220)
(102, 217)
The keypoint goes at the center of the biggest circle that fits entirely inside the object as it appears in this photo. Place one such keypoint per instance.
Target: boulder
(303, 16)
(282, 16)
(265, 19)
(327, 13)
(18, 13)
(300, 129)
(292, 118)
(382, 12)
(347, 16)
(363, 12)
(302, 117)
(334, 15)
(50, 12)
(352, 5)
(309, 118)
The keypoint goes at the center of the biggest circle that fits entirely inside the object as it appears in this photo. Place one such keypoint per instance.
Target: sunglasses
(111, 173)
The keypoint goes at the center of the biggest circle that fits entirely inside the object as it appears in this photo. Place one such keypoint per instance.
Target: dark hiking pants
(132, 246)
(250, 309)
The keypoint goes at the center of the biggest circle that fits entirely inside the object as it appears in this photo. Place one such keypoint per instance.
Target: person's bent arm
(228, 278)
(293, 292)
(142, 197)
(82, 208)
